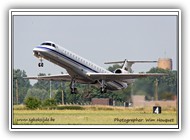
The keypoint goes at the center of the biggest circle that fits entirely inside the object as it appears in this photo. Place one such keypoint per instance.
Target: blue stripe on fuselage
(75, 61)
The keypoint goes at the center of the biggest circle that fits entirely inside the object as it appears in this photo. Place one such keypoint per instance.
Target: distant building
(165, 63)
(138, 100)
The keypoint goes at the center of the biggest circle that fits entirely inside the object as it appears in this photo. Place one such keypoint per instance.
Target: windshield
(48, 44)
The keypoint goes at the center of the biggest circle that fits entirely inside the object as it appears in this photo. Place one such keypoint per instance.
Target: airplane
(81, 70)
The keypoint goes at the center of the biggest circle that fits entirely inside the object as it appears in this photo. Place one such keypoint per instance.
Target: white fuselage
(75, 65)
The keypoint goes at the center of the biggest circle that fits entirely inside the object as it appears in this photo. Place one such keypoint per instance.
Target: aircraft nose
(37, 50)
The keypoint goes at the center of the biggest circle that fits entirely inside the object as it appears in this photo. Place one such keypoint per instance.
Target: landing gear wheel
(103, 90)
(73, 91)
(40, 64)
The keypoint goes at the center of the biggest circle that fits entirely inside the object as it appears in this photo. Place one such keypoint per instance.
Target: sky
(96, 38)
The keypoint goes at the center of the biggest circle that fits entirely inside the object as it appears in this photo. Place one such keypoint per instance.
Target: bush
(19, 107)
(167, 96)
(49, 103)
(70, 108)
(32, 103)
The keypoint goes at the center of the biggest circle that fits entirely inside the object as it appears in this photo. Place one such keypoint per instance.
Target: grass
(93, 115)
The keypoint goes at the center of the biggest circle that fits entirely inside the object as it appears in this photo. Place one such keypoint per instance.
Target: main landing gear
(103, 88)
(73, 87)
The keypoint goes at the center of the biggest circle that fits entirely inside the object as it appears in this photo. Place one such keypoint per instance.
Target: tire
(104, 90)
(39, 64)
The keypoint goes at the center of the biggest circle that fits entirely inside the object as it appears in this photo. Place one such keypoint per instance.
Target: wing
(122, 76)
(59, 77)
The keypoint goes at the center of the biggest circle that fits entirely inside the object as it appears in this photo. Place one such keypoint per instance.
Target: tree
(42, 84)
(58, 96)
(40, 94)
(114, 67)
(166, 84)
(49, 103)
(21, 85)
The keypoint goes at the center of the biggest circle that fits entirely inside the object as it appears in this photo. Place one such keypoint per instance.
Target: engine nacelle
(120, 71)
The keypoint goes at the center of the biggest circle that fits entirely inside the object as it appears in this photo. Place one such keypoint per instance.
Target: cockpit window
(48, 44)
(53, 45)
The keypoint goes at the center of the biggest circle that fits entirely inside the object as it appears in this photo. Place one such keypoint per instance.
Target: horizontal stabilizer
(129, 61)
(123, 76)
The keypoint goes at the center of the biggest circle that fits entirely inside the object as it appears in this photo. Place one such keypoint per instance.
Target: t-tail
(127, 64)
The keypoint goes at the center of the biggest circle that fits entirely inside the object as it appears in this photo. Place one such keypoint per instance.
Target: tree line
(60, 91)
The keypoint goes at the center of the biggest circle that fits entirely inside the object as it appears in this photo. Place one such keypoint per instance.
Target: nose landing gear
(41, 64)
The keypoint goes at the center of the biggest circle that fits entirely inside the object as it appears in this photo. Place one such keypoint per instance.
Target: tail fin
(127, 64)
